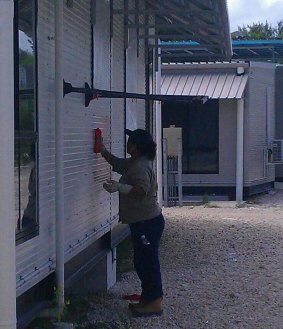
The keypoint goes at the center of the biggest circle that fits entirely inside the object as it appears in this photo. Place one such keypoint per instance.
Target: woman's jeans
(146, 237)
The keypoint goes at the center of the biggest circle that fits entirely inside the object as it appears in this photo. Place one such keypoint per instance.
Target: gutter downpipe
(158, 123)
(59, 154)
(240, 150)
(227, 31)
(7, 204)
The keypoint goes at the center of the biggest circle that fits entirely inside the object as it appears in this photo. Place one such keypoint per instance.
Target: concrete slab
(278, 185)
(226, 204)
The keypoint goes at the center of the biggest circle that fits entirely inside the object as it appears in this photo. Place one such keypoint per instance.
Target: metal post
(240, 150)
(180, 172)
(158, 122)
(165, 173)
(147, 71)
(7, 203)
(59, 156)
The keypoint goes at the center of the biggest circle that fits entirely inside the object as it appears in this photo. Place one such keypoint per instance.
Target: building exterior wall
(90, 212)
(259, 126)
(259, 131)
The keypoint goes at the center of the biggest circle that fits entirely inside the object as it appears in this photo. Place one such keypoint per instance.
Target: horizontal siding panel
(90, 211)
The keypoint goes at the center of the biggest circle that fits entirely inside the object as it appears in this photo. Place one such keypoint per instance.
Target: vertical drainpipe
(7, 204)
(158, 122)
(147, 87)
(59, 155)
(240, 150)
(126, 46)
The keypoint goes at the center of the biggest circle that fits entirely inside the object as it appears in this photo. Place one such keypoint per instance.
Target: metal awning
(203, 21)
(211, 80)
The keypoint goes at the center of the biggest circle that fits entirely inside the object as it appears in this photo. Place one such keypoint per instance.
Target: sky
(254, 11)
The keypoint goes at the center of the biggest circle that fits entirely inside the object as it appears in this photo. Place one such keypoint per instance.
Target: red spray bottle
(97, 138)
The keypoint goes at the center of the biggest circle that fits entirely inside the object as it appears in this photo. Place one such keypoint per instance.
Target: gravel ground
(222, 269)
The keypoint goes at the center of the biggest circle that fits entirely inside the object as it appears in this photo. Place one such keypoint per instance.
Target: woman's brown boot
(148, 309)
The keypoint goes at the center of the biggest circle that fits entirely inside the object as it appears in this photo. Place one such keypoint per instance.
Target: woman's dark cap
(139, 136)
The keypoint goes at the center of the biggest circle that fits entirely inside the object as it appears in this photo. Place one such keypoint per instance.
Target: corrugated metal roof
(185, 51)
(211, 84)
(203, 21)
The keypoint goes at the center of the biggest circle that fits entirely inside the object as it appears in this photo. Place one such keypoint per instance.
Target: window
(200, 123)
(26, 142)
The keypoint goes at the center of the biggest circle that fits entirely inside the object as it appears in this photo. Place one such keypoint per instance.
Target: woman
(138, 207)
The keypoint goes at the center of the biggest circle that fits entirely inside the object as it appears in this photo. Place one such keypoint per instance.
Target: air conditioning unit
(275, 153)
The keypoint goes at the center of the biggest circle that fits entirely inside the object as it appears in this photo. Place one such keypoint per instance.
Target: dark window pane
(27, 117)
(200, 125)
(27, 184)
(25, 123)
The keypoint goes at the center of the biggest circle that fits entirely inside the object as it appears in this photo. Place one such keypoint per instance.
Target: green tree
(257, 31)
(279, 30)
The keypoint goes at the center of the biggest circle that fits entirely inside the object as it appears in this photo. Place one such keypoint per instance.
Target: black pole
(93, 93)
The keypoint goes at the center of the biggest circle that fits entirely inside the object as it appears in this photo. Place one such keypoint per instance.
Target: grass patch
(205, 200)
(41, 324)
(110, 325)
(75, 311)
(77, 307)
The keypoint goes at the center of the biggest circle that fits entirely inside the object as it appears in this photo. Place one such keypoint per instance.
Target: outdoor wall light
(240, 70)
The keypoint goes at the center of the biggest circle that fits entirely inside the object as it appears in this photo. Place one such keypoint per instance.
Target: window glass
(200, 123)
(25, 122)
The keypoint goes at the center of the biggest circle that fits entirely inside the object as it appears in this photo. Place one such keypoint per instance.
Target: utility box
(173, 135)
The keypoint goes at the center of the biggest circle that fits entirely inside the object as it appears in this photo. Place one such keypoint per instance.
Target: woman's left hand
(111, 186)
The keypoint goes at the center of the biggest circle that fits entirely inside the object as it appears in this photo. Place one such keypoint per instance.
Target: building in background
(226, 139)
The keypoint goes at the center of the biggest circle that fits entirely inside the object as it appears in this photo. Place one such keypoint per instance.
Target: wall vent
(276, 151)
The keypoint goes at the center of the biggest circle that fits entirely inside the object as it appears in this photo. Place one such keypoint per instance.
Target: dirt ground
(222, 269)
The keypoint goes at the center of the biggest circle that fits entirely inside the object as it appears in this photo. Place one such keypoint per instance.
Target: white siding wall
(227, 140)
(89, 210)
(87, 204)
(257, 109)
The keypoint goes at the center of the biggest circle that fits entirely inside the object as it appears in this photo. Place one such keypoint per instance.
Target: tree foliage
(259, 31)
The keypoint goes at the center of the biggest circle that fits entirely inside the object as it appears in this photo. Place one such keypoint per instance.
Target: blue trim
(257, 42)
(264, 50)
(234, 43)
